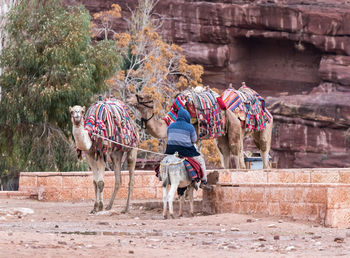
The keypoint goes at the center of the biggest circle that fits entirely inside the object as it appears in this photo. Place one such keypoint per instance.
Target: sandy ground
(68, 230)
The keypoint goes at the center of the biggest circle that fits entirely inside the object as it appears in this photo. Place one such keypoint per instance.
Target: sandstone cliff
(296, 51)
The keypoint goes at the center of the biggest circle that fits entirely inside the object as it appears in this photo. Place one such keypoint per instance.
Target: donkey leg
(190, 194)
(171, 194)
(165, 201)
(181, 204)
(131, 158)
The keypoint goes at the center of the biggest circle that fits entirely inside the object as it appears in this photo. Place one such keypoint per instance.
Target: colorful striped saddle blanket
(249, 106)
(110, 119)
(204, 109)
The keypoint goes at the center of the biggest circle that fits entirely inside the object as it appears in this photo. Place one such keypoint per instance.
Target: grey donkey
(173, 172)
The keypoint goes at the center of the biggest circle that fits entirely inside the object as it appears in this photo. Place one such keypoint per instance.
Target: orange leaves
(123, 40)
(132, 88)
(104, 19)
(210, 152)
(121, 75)
(114, 12)
(182, 83)
(150, 144)
(149, 90)
(109, 82)
(176, 48)
(116, 9)
(149, 67)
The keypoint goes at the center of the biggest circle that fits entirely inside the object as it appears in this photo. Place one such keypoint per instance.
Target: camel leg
(262, 140)
(235, 139)
(241, 153)
(131, 158)
(98, 168)
(116, 159)
(224, 151)
(237, 153)
(171, 195)
(95, 209)
(165, 201)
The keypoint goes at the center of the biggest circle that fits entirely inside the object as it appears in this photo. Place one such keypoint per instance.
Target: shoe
(205, 186)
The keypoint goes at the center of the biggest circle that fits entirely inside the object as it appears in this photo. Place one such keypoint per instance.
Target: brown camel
(96, 156)
(231, 142)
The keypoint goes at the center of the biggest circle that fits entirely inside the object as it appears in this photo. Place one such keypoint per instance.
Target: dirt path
(68, 230)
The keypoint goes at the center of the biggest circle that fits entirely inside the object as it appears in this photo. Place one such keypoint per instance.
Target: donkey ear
(84, 109)
(70, 109)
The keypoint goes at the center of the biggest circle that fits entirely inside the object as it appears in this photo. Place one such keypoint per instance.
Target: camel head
(140, 101)
(77, 113)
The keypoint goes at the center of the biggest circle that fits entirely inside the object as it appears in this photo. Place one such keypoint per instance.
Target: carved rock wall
(296, 51)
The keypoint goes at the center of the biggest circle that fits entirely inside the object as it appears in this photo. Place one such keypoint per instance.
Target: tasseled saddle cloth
(110, 120)
(249, 106)
(204, 109)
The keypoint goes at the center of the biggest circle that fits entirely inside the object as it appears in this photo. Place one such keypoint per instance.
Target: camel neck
(81, 137)
(155, 127)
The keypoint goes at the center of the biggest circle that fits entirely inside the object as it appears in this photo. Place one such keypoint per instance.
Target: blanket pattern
(249, 106)
(111, 120)
(211, 121)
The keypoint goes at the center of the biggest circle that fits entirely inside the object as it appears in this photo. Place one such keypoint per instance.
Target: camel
(173, 171)
(97, 160)
(231, 142)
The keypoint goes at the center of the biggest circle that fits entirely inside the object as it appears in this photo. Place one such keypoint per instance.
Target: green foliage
(48, 65)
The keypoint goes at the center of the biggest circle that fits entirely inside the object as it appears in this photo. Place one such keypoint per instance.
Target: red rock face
(296, 51)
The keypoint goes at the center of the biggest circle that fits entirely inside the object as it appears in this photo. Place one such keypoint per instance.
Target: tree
(149, 64)
(48, 65)
(5, 6)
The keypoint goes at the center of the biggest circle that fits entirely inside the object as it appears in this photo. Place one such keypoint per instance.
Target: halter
(145, 120)
(144, 103)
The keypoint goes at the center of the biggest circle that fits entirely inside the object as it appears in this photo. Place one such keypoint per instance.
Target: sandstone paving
(67, 229)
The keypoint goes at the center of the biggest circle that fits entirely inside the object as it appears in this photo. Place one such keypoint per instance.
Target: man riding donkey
(181, 138)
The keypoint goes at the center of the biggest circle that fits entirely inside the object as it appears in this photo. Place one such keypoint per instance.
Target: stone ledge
(75, 186)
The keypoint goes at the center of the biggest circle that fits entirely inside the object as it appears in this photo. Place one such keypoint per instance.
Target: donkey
(173, 171)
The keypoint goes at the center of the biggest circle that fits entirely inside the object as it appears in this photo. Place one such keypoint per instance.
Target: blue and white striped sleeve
(193, 135)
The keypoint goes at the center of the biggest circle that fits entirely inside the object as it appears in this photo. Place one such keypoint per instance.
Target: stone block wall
(319, 195)
(72, 186)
